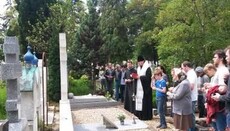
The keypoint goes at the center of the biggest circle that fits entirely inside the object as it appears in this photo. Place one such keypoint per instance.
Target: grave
(89, 101)
(105, 119)
(108, 123)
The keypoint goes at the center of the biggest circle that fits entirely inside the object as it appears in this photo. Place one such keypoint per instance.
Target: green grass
(2, 100)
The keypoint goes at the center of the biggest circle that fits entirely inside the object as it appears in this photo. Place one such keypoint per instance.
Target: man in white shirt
(186, 66)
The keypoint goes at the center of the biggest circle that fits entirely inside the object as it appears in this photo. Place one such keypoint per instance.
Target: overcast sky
(2, 8)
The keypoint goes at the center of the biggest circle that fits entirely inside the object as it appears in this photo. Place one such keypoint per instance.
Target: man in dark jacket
(129, 103)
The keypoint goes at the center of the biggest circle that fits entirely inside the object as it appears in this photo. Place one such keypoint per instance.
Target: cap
(199, 69)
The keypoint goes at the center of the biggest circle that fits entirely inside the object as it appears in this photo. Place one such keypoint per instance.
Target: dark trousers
(109, 87)
(201, 107)
(122, 90)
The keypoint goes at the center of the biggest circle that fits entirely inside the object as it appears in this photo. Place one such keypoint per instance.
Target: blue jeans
(160, 109)
(193, 128)
(117, 89)
(228, 120)
(220, 123)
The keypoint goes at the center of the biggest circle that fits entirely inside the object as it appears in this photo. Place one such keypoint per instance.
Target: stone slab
(11, 45)
(88, 101)
(65, 119)
(10, 71)
(11, 105)
(100, 127)
(108, 123)
(4, 125)
(19, 126)
(50, 114)
(94, 104)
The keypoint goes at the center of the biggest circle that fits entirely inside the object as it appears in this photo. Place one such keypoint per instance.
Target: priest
(143, 108)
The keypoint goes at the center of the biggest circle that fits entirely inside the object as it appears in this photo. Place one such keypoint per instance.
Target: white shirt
(192, 78)
(218, 78)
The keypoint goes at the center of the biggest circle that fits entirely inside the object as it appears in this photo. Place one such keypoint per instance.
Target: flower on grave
(121, 117)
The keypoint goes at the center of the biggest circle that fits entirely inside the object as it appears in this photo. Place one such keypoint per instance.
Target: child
(160, 86)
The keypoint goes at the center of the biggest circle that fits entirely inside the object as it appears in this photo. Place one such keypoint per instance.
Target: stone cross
(63, 66)
(11, 71)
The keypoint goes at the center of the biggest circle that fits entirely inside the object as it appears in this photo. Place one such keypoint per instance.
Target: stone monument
(10, 72)
(30, 91)
(66, 122)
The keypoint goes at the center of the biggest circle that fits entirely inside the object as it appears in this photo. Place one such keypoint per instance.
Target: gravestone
(10, 72)
(108, 123)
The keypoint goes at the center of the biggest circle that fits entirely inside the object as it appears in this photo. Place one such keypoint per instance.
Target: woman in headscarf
(182, 102)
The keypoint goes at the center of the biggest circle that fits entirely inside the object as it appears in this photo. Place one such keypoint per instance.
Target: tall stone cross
(63, 66)
(10, 72)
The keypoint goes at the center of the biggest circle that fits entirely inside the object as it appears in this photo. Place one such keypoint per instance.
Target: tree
(64, 17)
(88, 42)
(29, 14)
(192, 30)
(141, 22)
(59, 13)
(114, 31)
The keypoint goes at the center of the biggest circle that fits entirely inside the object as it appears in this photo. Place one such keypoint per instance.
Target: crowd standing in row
(207, 87)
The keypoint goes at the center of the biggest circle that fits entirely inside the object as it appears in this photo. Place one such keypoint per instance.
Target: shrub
(79, 86)
(2, 100)
(154, 99)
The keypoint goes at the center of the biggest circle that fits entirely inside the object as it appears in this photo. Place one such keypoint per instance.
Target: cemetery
(27, 108)
(52, 52)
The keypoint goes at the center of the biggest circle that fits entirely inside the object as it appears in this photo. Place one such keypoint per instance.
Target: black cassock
(129, 103)
(146, 113)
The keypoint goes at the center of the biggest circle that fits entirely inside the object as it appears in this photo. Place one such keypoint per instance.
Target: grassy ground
(2, 100)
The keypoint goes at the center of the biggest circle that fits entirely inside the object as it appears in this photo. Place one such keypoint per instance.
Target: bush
(79, 86)
(2, 100)
(154, 99)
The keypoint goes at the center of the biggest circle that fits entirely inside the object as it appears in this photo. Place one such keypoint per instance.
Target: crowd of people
(207, 88)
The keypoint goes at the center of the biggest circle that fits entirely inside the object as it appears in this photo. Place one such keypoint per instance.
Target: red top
(212, 105)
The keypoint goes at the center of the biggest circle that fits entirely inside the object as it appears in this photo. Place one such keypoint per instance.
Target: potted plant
(121, 118)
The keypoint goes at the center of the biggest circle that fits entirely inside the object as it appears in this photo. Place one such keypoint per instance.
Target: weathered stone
(13, 116)
(11, 45)
(63, 66)
(70, 95)
(4, 125)
(11, 105)
(108, 123)
(10, 71)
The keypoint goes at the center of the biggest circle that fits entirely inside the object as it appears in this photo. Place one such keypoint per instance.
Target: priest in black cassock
(143, 103)
(130, 86)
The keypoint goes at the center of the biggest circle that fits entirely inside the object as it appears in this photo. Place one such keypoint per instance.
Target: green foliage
(79, 86)
(154, 99)
(191, 30)
(54, 87)
(114, 31)
(29, 13)
(121, 117)
(141, 22)
(2, 100)
(108, 96)
(64, 14)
